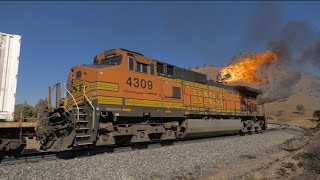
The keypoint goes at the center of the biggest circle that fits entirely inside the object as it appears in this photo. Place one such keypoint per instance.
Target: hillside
(211, 71)
(305, 92)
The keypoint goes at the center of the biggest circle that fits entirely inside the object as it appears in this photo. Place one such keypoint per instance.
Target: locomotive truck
(125, 97)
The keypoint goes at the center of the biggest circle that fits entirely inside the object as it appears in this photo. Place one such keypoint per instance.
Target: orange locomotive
(124, 97)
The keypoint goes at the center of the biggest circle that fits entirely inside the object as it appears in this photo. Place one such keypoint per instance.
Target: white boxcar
(9, 62)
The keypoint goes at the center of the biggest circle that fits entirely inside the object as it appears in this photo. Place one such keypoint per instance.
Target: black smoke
(296, 44)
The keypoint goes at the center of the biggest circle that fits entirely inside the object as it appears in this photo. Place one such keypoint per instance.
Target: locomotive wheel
(16, 153)
(2, 155)
(122, 140)
(242, 133)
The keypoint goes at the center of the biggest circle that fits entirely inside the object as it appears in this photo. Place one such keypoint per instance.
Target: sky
(59, 35)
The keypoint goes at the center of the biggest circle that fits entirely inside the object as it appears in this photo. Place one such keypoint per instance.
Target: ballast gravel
(187, 160)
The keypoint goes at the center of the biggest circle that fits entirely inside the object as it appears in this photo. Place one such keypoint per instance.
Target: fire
(248, 70)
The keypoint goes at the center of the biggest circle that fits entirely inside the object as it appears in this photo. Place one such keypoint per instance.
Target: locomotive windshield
(114, 61)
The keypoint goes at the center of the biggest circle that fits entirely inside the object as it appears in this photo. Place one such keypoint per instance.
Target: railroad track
(32, 156)
(277, 126)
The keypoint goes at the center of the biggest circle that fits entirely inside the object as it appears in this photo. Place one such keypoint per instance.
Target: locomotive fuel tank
(209, 127)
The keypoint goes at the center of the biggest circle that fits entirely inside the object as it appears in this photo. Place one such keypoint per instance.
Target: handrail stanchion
(93, 109)
(73, 100)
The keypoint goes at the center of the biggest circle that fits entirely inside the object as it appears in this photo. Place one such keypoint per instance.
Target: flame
(248, 70)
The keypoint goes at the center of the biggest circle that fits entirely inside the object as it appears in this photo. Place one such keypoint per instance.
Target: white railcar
(9, 62)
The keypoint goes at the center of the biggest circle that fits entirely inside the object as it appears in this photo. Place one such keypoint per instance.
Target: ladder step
(81, 114)
(84, 143)
(82, 121)
(83, 136)
(82, 128)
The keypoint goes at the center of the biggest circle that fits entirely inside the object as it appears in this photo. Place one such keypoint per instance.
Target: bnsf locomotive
(125, 97)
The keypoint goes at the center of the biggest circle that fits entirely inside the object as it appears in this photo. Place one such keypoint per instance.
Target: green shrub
(26, 109)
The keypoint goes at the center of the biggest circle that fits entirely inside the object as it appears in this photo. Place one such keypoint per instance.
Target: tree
(41, 109)
(41, 105)
(300, 109)
(27, 110)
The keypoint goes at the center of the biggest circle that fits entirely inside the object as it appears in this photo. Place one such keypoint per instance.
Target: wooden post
(20, 124)
(49, 98)
(58, 95)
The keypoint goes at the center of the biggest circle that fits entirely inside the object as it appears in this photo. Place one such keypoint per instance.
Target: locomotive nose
(58, 133)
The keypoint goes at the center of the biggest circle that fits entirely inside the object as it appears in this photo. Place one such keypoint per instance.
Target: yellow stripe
(109, 100)
(104, 100)
(126, 109)
(103, 86)
(106, 86)
(170, 79)
(199, 85)
(151, 103)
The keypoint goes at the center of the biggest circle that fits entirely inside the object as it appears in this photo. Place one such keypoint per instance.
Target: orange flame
(246, 70)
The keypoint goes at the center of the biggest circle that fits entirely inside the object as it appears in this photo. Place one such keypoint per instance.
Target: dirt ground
(297, 158)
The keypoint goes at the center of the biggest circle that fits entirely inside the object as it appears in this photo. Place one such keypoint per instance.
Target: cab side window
(160, 69)
(170, 71)
(152, 69)
(138, 68)
(144, 68)
(131, 63)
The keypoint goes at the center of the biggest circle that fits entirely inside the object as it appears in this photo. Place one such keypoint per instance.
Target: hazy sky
(59, 35)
